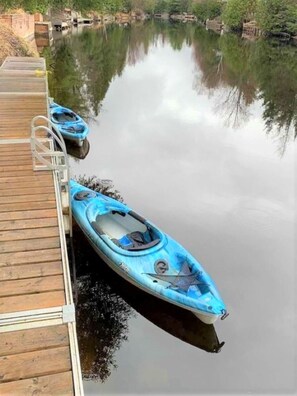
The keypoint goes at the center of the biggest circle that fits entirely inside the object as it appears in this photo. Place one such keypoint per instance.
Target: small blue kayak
(70, 125)
(144, 255)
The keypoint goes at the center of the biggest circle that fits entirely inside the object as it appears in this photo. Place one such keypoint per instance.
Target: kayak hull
(161, 267)
(205, 318)
(71, 126)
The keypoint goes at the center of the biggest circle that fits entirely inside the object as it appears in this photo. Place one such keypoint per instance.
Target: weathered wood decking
(38, 346)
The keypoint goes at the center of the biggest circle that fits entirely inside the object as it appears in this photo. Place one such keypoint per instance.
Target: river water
(196, 132)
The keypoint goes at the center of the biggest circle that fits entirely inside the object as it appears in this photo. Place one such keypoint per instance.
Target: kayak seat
(137, 238)
(74, 128)
(64, 117)
(115, 225)
(70, 117)
(135, 241)
(125, 231)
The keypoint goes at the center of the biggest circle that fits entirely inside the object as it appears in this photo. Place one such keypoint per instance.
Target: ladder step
(65, 202)
(66, 224)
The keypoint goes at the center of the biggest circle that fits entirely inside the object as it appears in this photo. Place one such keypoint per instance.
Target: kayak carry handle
(224, 314)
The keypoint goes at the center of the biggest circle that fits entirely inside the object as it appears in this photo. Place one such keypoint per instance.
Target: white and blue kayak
(71, 126)
(144, 255)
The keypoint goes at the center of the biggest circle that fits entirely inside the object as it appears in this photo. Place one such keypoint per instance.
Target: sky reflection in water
(228, 196)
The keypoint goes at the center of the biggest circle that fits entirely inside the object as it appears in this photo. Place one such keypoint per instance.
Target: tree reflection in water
(276, 68)
(248, 71)
(237, 71)
(101, 314)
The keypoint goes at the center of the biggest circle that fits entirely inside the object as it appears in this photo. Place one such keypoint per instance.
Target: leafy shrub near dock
(102, 186)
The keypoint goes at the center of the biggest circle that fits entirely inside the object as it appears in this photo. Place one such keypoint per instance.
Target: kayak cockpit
(64, 116)
(126, 230)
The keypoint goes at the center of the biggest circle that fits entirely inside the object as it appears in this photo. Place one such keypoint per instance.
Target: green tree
(199, 10)
(28, 5)
(237, 11)
(208, 9)
(275, 16)
(186, 5)
(179, 6)
(161, 6)
(149, 6)
(174, 7)
(292, 18)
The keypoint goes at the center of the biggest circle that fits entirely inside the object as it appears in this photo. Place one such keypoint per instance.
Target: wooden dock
(38, 344)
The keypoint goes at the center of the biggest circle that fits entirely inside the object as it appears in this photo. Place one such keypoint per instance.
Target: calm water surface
(196, 131)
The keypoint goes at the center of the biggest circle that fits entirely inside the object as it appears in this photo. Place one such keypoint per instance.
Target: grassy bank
(12, 45)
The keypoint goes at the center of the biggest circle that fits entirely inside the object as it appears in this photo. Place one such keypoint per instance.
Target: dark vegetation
(272, 16)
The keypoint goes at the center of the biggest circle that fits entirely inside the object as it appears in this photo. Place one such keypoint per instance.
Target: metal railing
(46, 156)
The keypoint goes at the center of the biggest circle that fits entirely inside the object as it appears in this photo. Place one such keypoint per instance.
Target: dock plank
(54, 385)
(8, 167)
(34, 364)
(17, 206)
(27, 198)
(26, 184)
(29, 214)
(29, 257)
(15, 161)
(29, 244)
(12, 173)
(30, 340)
(18, 133)
(14, 154)
(30, 233)
(22, 86)
(46, 175)
(34, 270)
(16, 147)
(31, 285)
(31, 301)
(19, 157)
(11, 154)
(29, 223)
(27, 191)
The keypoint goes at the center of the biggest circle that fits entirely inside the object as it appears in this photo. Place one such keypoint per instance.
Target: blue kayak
(70, 125)
(144, 255)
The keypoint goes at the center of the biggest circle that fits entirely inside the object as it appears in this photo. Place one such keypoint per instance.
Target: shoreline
(11, 44)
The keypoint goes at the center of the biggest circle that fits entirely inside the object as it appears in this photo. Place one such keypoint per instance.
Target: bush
(237, 11)
(208, 9)
(277, 16)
